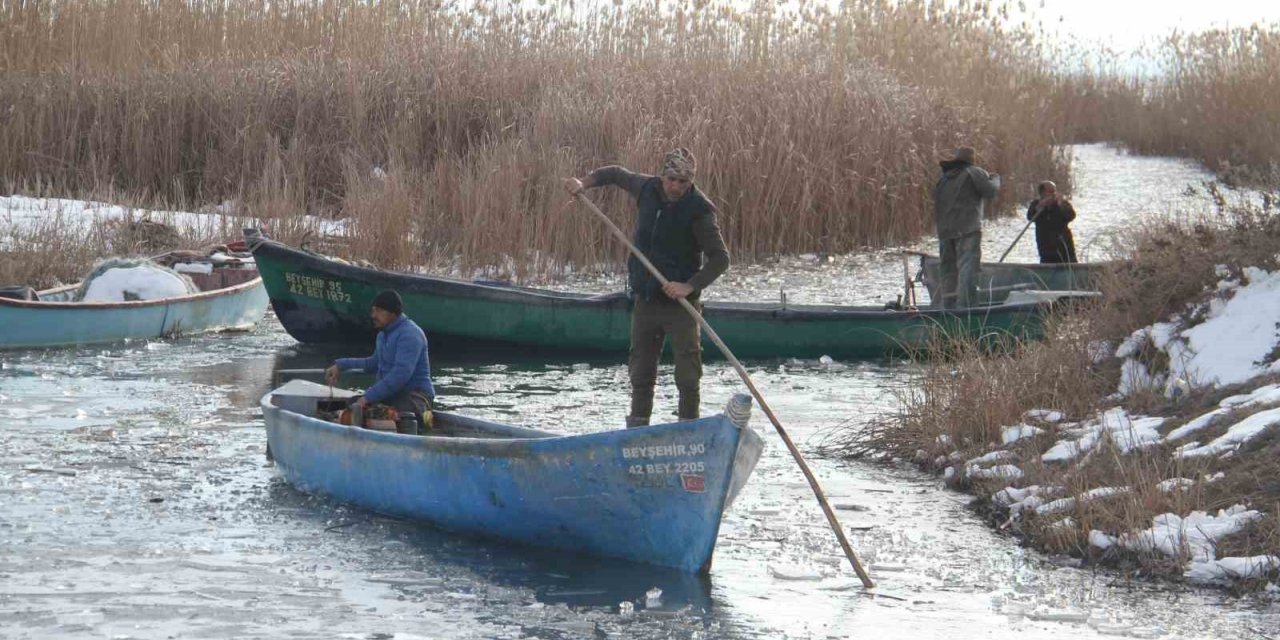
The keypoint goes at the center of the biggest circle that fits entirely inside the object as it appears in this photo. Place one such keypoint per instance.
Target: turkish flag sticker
(693, 483)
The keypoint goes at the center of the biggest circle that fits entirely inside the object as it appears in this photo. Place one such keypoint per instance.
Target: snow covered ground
(23, 213)
(1233, 340)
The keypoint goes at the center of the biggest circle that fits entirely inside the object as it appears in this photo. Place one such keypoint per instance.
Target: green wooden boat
(997, 279)
(322, 300)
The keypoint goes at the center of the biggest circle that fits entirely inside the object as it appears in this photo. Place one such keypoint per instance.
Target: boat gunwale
(127, 304)
(463, 445)
(1034, 266)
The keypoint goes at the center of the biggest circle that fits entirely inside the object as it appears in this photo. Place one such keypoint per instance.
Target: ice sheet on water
(795, 572)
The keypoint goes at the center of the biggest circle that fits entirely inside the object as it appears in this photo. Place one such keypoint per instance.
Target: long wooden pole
(1024, 230)
(746, 378)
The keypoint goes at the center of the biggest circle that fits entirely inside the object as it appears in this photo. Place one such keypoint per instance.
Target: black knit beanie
(389, 300)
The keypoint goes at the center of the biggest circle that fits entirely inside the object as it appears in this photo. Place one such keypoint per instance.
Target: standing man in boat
(675, 228)
(1052, 213)
(399, 360)
(957, 213)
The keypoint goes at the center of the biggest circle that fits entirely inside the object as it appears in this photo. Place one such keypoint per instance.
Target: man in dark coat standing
(675, 228)
(957, 213)
(1052, 213)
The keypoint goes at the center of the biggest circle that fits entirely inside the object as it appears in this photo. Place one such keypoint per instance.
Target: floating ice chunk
(889, 567)
(625, 608)
(1236, 435)
(1059, 615)
(653, 598)
(847, 506)
(795, 572)
(1010, 435)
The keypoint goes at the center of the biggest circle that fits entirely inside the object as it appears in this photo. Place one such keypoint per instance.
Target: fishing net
(124, 279)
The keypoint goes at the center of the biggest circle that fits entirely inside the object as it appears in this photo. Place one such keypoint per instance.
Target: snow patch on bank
(1194, 539)
(1127, 432)
(1234, 341)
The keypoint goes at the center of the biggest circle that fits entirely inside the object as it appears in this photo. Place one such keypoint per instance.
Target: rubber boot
(637, 421)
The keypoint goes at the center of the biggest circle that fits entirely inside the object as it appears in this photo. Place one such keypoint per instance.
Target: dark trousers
(1055, 244)
(652, 321)
(415, 402)
(958, 267)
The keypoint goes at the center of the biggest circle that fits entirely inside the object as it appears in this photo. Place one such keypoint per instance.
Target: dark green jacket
(673, 235)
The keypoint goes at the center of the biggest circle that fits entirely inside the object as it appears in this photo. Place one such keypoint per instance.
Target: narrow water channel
(136, 502)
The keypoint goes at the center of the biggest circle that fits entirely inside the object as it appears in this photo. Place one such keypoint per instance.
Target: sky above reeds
(1126, 25)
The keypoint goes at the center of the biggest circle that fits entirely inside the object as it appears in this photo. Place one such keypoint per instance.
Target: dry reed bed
(816, 130)
(956, 408)
(1208, 96)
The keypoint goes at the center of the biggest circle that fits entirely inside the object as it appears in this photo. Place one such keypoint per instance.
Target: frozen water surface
(135, 502)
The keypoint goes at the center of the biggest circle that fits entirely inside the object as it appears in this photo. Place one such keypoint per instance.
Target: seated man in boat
(1052, 213)
(675, 228)
(399, 360)
(958, 201)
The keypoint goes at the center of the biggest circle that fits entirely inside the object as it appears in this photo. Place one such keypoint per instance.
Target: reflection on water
(137, 503)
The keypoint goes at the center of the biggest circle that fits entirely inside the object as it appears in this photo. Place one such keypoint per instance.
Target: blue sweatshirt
(399, 359)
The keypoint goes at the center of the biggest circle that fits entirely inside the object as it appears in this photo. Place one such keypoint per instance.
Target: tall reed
(1210, 96)
(815, 128)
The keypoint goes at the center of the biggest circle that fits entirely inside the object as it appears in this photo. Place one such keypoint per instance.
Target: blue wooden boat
(652, 495)
(226, 301)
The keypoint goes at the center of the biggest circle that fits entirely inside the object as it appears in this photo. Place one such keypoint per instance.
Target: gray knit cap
(679, 163)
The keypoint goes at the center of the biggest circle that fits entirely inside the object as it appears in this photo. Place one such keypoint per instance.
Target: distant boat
(997, 279)
(229, 299)
(323, 300)
(653, 495)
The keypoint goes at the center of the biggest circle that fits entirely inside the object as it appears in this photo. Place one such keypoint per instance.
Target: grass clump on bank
(1175, 476)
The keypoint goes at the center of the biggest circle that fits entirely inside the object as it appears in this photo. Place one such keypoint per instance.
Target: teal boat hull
(55, 321)
(321, 300)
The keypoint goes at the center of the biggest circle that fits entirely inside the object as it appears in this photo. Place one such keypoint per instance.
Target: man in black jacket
(675, 228)
(1052, 213)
